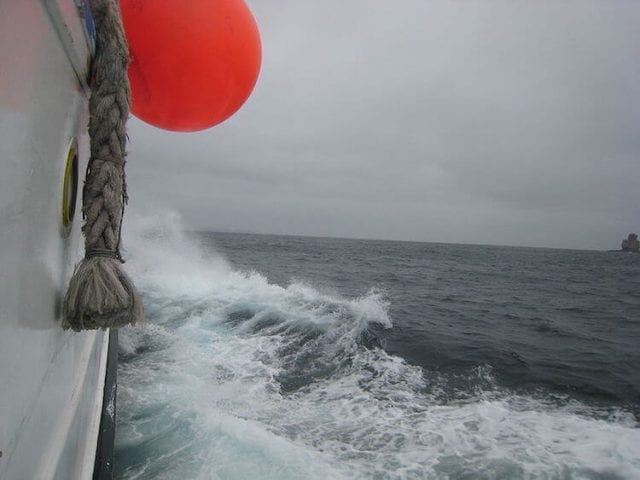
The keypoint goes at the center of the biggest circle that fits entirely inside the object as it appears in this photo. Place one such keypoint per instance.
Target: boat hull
(52, 380)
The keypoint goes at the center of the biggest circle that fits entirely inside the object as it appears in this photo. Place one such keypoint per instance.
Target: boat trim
(79, 61)
(103, 468)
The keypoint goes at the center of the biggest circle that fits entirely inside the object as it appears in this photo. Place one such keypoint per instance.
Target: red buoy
(193, 62)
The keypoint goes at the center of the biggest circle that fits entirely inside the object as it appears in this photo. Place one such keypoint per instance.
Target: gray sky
(514, 122)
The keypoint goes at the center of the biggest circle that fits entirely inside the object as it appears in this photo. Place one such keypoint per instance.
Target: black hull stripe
(103, 467)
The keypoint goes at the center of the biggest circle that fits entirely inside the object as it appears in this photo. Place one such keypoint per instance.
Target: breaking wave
(238, 378)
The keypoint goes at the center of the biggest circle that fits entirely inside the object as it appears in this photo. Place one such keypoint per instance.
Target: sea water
(273, 357)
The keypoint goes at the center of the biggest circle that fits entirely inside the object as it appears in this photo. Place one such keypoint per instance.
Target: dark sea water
(273, 357)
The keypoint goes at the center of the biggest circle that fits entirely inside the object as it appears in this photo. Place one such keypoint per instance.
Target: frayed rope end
(101, 295)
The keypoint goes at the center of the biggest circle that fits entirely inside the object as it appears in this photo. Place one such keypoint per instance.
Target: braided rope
(100, 294)
(104, 191)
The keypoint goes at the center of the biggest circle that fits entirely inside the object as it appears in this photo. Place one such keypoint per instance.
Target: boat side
(51, 380)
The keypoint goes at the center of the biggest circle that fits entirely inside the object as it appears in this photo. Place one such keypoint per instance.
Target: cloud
(468, 121)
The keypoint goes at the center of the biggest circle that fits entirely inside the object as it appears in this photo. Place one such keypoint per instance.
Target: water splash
(236, 377)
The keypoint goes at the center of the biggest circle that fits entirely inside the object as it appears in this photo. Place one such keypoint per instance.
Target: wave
(236, 377)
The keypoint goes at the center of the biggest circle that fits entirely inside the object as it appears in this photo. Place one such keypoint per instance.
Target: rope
(100, 294)
(104, 193)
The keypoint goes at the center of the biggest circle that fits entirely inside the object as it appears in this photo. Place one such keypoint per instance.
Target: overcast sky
(514, 122)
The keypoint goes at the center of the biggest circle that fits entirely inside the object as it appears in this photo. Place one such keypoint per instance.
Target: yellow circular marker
(70, 184)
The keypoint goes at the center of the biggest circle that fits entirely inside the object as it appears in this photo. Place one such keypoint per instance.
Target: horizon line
(243, 232)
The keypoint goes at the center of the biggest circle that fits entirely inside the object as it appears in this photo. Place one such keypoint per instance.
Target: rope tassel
(100, 294)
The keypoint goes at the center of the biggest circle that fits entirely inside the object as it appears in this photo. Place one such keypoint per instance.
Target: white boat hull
(51, 380)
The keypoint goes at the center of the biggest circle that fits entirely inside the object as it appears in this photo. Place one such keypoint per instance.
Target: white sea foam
(237, 378)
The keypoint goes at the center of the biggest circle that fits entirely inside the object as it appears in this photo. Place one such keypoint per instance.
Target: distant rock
(631, 244)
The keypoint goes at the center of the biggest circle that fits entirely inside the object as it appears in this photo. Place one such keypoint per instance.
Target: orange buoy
(193, 62)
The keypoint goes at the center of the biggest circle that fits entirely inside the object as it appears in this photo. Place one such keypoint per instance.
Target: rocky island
(631, 243)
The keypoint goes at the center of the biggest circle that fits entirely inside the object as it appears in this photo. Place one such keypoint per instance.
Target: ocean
(282, 357)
